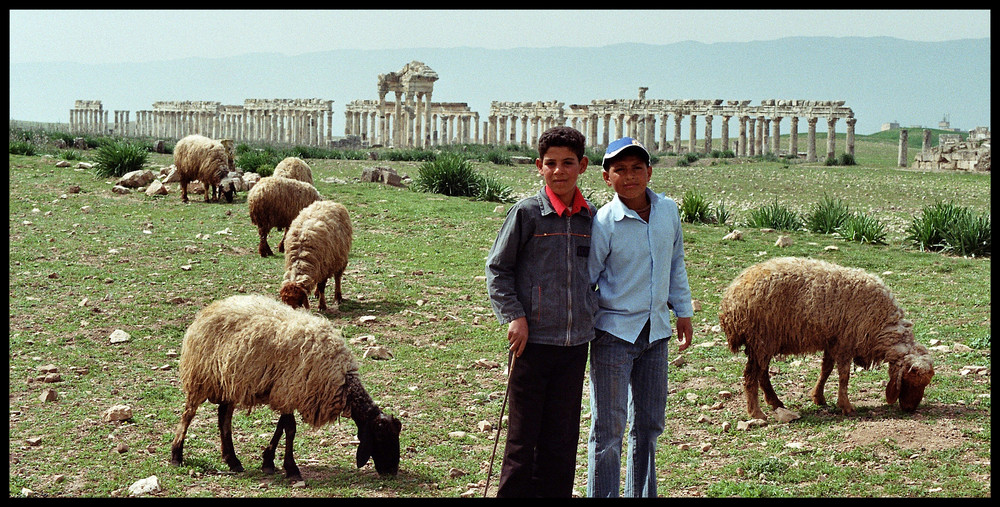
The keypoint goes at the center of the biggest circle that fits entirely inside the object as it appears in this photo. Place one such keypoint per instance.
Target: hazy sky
(107, 36)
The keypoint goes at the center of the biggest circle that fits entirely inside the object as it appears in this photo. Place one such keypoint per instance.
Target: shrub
(827, 215)
(498, 157)
(774, 216)
(694, 207)
(830, 161)
(687, 159)
(862, 228)
(115, 158)
(847, 159)
(260, 161)
(449, 174)
(21, 148)
(490, 188)
(968, 234)
(721, 213)
(926, 231)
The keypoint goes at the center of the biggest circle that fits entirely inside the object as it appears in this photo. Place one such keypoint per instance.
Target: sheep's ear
(365, 447)
(895, 380)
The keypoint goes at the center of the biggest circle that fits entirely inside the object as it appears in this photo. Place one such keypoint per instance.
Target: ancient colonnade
(417, 125)
(293, 121)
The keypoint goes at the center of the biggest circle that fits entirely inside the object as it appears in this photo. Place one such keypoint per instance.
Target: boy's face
(628, 175)
(560, 168)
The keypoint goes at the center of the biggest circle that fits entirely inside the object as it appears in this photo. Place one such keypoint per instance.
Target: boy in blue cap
(538, 282)
(637, 263)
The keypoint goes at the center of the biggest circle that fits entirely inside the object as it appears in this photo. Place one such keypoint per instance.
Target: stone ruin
(411, 119)
(954, 154)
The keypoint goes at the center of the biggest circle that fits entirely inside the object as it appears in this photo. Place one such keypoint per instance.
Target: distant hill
(882, 79)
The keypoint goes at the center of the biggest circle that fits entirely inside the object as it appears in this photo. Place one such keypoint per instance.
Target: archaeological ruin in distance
(404, 116)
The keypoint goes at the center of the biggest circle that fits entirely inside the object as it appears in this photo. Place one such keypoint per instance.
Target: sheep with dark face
(245, 351)
(792, 305)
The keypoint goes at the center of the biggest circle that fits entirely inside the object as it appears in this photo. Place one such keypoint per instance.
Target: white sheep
(317, 244)
(245, 351)
(200, 158)
(273, 203)
(295, 168)
(792, 305)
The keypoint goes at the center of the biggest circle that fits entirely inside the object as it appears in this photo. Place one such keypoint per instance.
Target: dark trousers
(545, 390)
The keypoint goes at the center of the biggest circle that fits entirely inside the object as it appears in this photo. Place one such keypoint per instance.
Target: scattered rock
(48, 395)
(485, 426)
(485, 363)
(364, 319)
(456, 434)
(735, 235)
(156, 188)
(33, 441)
(784, 415)
(62, 163)
(678, 361)
(726, 425)
(831, 247)
(783, 241)
(378, 352)
(117, 413)
(499, 209)
(143, 486)
(455, 473)
(119, 336)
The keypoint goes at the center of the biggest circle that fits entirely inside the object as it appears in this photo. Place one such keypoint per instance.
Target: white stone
(148, 485)
(119, 336)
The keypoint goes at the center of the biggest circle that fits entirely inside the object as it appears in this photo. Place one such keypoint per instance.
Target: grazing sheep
(245, 351)
(792, 305)
(294, 168)
(273, 203)
(200, 158)
(317, 244)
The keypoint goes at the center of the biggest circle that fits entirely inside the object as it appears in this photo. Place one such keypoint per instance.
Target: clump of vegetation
(774, 216)
(21, 148)
(687, 159)
(721, 213)
(863, 228)
(115, 158)
(950, 227)
(695, 207)
(827, 215)
(257, 160)
(451, 174)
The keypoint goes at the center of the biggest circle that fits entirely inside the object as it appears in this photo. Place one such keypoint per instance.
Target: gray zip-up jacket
(537, 269)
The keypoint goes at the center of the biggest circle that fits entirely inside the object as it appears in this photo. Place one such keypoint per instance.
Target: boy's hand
(684, 332)
(517, 335)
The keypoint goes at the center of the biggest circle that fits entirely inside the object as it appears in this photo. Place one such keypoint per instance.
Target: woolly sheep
(317, 244)
(294, 168)
(200, 158)
(245, 351)
(792, 305)
(273, 203)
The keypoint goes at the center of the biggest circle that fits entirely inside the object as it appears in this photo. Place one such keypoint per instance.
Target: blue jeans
(628, 384)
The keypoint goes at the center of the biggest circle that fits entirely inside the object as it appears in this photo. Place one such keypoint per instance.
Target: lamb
(794, 305)
(245, 351)
(200, 158)
(317, 244)
(274, 202)
(295, 168)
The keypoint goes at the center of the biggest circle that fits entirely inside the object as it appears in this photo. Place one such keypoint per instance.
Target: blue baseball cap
(625, 144)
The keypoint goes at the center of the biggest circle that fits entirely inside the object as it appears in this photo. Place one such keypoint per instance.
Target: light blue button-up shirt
(638, 268)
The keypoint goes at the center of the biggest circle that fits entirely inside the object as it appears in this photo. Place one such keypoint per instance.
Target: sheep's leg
(268, 456)
(321, 295)
(281, 246)
(209, 193)
(291, 469)
(844, 371)
(184, 191)
(765, 384)
(751, 374)
(263, 249)
(337, 296)
(824, 373)
(177, 448)
(226, 435)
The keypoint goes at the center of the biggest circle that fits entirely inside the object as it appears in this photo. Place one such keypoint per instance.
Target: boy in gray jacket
(538, 282)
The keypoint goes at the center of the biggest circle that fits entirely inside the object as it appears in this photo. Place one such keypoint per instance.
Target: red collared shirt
(578, 202)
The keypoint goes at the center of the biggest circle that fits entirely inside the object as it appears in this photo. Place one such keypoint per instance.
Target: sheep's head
(293, 295)
(911, 368)
(380, 442)
(227, 189)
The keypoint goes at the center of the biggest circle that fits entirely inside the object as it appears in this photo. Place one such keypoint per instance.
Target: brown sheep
(246, 351)
(792, 305)
(317, 244)
(295, 168)
(200, 158)
(273, 203)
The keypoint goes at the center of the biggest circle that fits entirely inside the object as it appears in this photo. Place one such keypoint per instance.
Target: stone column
(793, 146)
(607, 129)
(678, 118)
(742, 147)
(592, 135)
(850, 135)
(811, 143)
(708, 134)
(776, 136)
(524, 130)
(831, 137)
(693, 134)
(427, 120)
(753, 135)
(397, 116)
(725, 132)
(760, 135)
(926, 145)
(663, 131)
(903, 139)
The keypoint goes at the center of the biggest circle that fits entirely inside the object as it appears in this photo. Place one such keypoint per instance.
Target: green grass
(415, 265)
